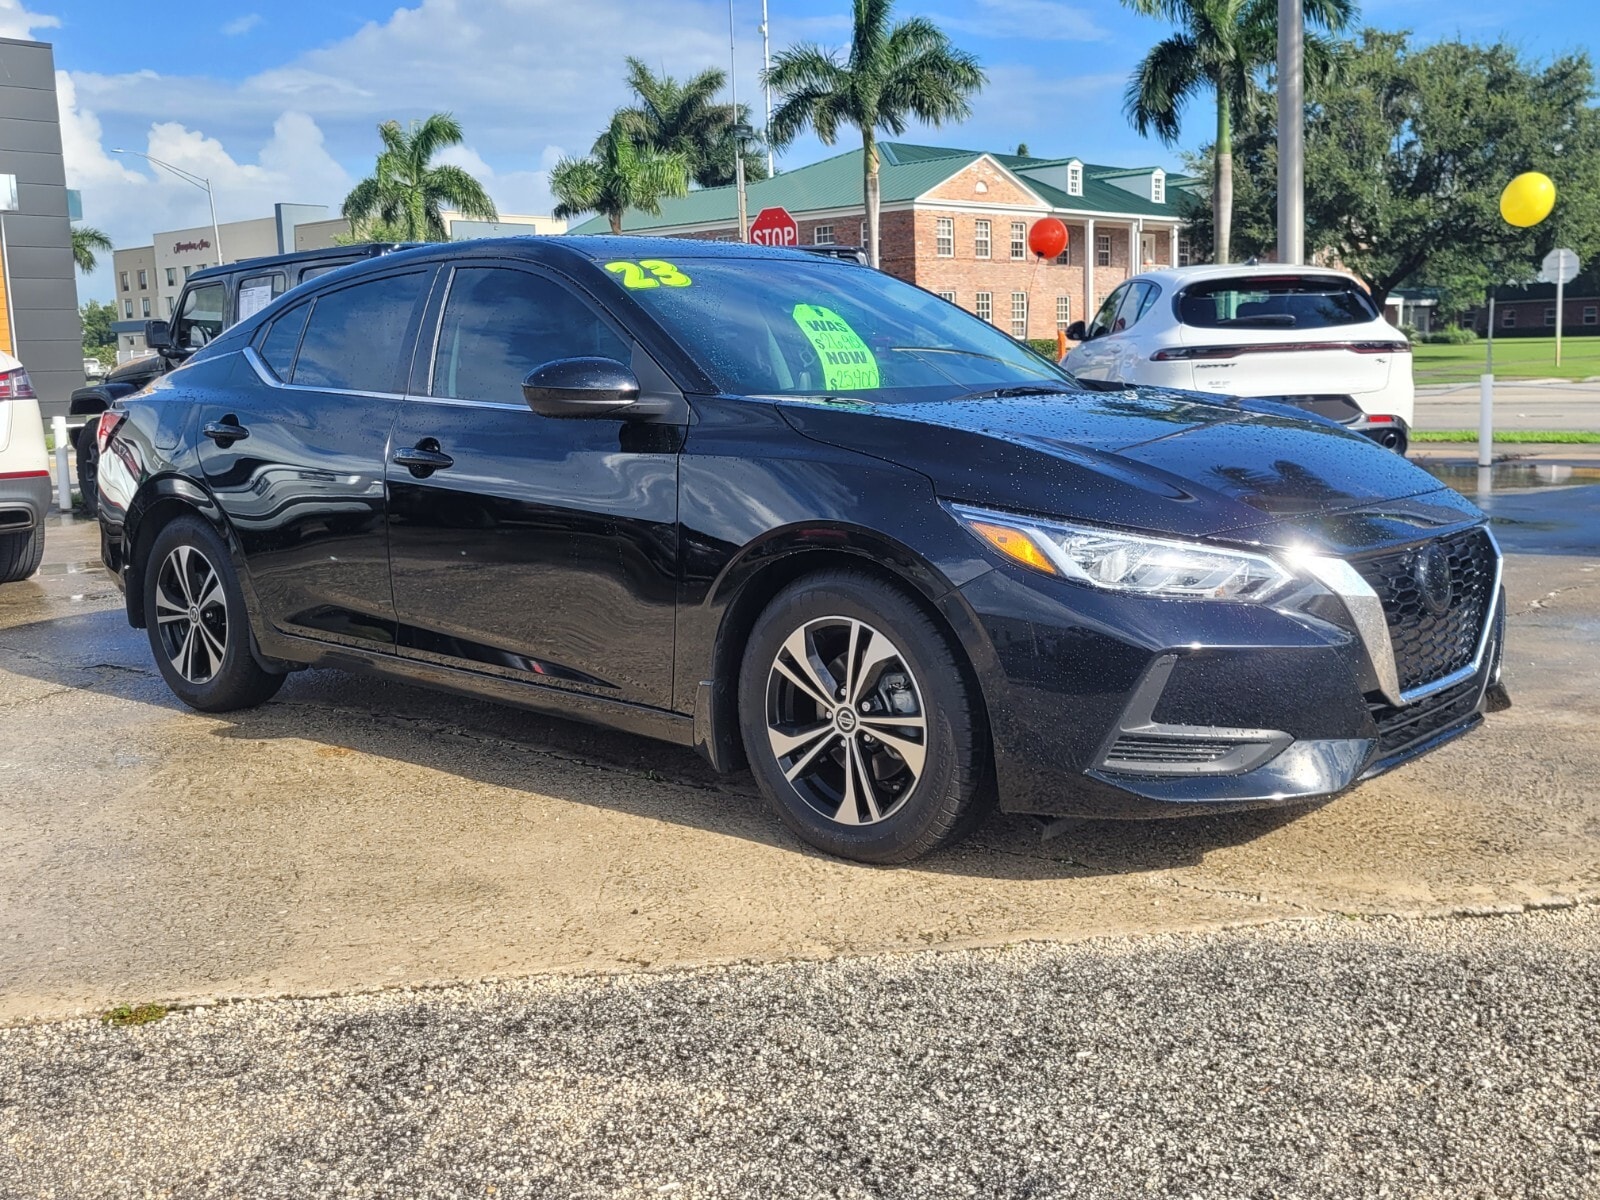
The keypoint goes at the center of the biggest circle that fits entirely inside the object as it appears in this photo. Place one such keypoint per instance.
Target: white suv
(24, 474)
(1306, 336)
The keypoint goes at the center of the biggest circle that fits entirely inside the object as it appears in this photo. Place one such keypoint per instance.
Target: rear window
(1295, 302)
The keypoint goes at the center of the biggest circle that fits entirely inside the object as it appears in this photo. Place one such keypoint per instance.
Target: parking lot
(331, 842)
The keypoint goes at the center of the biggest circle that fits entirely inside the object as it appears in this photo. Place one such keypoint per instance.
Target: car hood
(1150, 459)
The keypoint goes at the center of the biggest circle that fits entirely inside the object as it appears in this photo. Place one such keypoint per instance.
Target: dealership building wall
(36, 265)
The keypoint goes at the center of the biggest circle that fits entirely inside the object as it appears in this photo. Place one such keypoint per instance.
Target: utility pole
(738, 141)
(766, 63)
(1291, 132)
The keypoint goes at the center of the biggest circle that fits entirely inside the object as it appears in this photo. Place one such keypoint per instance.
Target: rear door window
(1290, 302)
(356, 339)
(258, 291)
(1106, 317)
(500, 324)
(199, 321)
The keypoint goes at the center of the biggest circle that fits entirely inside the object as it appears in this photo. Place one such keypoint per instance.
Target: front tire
(197, 623)
(859, 723)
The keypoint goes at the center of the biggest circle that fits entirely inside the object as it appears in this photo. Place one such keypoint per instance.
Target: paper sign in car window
(253, 299)
(847, 364)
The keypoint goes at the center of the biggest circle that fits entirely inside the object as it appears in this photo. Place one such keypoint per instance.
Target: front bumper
(1107, 705)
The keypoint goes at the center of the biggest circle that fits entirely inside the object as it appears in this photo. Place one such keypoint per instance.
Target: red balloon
(1048, 237)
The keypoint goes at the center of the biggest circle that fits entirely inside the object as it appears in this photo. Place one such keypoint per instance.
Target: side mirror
(158, 336)
(583, 387)
(1076, 332)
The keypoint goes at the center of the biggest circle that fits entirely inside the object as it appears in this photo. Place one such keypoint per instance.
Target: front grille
(1428, 646)
(1399, 728)
(1130, 749)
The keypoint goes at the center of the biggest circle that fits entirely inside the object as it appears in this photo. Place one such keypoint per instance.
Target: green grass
(1514, 358)
(1516, 437)
(134, 1014)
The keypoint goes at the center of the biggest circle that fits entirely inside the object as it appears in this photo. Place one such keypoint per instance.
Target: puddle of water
(77, 568)
(1510, 476)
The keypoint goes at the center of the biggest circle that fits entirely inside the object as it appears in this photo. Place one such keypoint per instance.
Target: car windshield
(780, 327)
(1291, 302)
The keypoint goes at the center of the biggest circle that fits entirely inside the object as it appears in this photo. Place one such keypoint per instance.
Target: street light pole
(188, 177)
(766, 62)
(738, 141)
(1291, 132)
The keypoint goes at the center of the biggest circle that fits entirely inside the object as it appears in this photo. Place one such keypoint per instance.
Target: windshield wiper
(1028, 389)
(1273, 320)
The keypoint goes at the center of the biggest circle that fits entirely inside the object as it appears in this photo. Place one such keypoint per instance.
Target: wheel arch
(749, 584)
(159, 502)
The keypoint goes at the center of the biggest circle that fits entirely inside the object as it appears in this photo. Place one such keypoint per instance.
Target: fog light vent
(1130, 751)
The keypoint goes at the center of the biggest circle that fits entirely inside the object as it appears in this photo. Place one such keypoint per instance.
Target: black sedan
(800, 515)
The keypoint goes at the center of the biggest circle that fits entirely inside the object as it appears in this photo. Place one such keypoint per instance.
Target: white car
(1307, 336)
(24, 474)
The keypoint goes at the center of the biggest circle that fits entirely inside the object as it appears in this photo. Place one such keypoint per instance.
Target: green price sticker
(847, 364)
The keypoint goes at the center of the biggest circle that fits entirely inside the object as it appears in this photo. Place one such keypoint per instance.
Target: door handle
(226, 431)
(423, 459)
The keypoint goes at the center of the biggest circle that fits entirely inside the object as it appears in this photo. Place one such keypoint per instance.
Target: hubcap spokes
(845, 720)
(191, 614)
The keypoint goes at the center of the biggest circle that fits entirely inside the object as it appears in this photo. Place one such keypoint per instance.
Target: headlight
(1126, 562)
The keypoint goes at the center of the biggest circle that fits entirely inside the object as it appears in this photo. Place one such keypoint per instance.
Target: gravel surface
(1342, 1058)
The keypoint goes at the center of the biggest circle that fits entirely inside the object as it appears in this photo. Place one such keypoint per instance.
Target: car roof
(355, 253)
(1174, 277)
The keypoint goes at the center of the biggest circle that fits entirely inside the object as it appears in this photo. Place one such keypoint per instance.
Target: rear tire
(21, 554)
(197, 623)
(859, 723)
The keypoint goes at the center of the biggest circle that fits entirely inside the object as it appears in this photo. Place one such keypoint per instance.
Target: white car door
(1097, 356)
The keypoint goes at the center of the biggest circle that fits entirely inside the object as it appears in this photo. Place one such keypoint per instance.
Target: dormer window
(1075, 179)
(1158, 187)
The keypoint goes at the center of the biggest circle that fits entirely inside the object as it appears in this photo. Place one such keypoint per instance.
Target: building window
(1147, 249)
(144, 306)
(944, 237)
(951, 296)
(127, 310)
(169, 305)
(1184, 254)
(981, 241)
(983, 306)
(187, 271)
(124, 281)
(144, 281)
(1158, 188)
(1508, 318)
(1064, 259)
(1550, 315)
(1063, 312)
(1102, 249)
(862, 240)
(1019, 314)
(1591, 315)
(1019, 240)
(1075, 179)
(822, 235)
(128, 341)
(172, 276)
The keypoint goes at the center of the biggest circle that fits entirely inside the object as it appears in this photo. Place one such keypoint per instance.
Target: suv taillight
(105, 427)
(15, 385)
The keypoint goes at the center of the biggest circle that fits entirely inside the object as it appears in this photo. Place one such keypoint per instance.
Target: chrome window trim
(1342, 579)
(264, 373)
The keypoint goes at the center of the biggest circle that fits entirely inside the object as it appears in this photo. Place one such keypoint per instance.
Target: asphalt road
(1418, 1059)
(1567, 406)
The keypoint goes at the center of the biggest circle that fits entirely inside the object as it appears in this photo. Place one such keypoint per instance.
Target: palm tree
(618, 176)
(685, 118)
(86, 241)
(891, 76)
(1223, 46)
(403, 200)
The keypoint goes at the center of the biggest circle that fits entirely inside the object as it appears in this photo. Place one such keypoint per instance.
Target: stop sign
(774, 227)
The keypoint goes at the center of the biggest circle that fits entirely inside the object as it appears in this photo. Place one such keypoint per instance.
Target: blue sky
(277, 99)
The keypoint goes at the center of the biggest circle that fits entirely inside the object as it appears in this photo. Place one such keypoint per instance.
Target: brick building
(1531, 311)
(956, 222)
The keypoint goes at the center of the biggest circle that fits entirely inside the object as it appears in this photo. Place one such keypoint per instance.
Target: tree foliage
(405, 197)
(97, 318)
(87, 242)
(1224, 47)
(618, 175)
(685, 118)
(892, 75)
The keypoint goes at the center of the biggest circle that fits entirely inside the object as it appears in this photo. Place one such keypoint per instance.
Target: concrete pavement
(1566, 406)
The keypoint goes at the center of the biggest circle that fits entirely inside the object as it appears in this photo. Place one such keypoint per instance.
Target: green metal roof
(905, 172)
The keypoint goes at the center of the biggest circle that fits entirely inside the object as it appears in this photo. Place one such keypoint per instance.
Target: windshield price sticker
(847, 364)
(649, 273)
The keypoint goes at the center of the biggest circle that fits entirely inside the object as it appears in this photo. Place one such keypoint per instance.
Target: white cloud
(240, 26)
(18, 22)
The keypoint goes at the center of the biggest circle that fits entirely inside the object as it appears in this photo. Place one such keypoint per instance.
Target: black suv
(212, 300)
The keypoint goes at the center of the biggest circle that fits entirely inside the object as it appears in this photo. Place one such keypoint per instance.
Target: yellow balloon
(1528, 199)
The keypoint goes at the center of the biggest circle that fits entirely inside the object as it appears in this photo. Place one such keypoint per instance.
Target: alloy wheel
(846, 720)
(192, 614)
